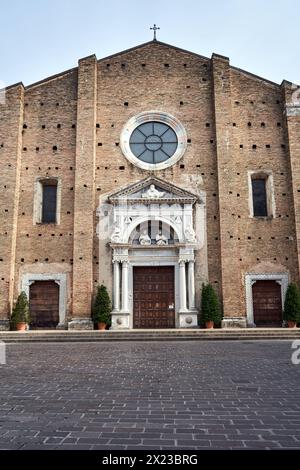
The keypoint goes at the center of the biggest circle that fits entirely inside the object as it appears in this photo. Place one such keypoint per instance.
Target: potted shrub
(210, 306)
(101, 308)
(20, 317)
(291, 312)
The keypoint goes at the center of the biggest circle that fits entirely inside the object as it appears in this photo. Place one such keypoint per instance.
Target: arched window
(153, 232)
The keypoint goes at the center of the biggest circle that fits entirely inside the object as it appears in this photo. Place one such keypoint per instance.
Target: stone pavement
(150, 395)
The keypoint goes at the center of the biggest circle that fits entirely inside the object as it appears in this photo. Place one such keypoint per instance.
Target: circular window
(153, 140)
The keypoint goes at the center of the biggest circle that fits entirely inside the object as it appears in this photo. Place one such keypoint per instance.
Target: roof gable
(153, 44)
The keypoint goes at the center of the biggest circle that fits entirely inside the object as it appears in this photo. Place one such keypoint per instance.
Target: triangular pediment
(153, 190)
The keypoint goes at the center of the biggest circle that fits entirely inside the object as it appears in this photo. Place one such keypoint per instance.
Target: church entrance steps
(151, 335)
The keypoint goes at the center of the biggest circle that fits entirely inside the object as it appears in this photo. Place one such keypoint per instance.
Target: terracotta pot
(209, 324)
(21, 326)
(291, 324)
(101, 326)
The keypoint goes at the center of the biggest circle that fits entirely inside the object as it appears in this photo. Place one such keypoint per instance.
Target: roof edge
(253, 75)
(156, 43)
(88, 57)
(52, 77)
(219, 56)
(291, 85)
(14, 85)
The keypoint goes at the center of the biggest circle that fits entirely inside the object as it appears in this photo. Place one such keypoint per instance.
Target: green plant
(210, 305)
(21, 312)
(291, 310)
(102, 306)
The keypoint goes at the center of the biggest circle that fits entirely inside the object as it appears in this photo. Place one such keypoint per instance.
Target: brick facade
(69, 126)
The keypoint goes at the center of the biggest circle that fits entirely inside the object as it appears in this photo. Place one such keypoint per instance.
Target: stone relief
(153, 193)
(190, 235)
(128, 220)
(116, 236)
(177, 219)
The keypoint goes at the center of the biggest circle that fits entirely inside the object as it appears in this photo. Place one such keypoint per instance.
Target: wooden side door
(44, 304)
(267, 304)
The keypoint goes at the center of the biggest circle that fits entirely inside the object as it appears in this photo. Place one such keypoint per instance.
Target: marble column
(182, 284)
(116, 306)
(191, 285)
(124, 286)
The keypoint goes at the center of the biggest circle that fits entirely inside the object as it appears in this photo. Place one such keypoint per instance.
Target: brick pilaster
(291, 119)
(11, 133)
(231, 281)
(84, 188)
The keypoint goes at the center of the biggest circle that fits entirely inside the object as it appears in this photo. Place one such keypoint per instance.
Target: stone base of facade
(80, 324)
(4, 325)
(234, 322)
(188, 319)
(62, 326)
(120, 320)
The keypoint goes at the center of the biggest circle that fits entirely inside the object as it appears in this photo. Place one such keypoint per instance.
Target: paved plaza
(150, 395)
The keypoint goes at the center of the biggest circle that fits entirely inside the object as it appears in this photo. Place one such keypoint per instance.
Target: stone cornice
(180, 196)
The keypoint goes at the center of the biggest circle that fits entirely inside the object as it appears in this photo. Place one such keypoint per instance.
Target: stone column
(116, 286)
(124, 286)
(191, 285)
(188, 317)
(182, 284)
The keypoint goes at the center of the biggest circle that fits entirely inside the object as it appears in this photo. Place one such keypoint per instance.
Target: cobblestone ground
(150, 395)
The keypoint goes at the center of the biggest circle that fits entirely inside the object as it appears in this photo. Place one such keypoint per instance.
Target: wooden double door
(153, 297)
(267, 303)
(44, 304)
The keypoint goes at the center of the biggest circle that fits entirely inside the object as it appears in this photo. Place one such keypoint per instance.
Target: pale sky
(40, 38)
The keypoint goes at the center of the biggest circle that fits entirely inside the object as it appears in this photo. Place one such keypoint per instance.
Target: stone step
(150, 335)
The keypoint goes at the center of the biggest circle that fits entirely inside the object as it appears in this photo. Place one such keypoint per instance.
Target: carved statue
(190, 235)
(161, 239)
(116, 236)
(144, 238)
(153, 193)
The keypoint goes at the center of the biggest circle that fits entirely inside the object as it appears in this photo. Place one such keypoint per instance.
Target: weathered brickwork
(167, 79)
(84, 227)
(69, 127)
(291, 121)
(50, 111)
(10, 147)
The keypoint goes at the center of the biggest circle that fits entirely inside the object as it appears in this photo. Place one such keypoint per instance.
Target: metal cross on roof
(154, 29)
